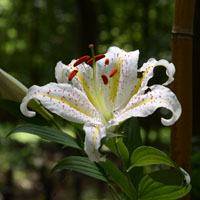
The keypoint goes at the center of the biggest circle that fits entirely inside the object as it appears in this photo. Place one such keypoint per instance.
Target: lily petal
(149, 67)
(144, 105)
(93, 137)
(124, 81)
(62, 72)
(62, 99)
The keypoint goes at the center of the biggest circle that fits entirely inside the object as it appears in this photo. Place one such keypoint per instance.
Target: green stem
(114, 192)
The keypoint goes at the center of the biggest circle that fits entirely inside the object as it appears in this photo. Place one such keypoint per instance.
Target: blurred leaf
(82, 165)
(13, 108)
(49, 134)
(163, 185)
(119, 179)
(146, 155)
(11, 88)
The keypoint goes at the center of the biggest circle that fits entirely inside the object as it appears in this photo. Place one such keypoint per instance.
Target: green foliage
(82, 165)
(132, 140)
(46, 133)
(146, 155)
(14, 109)
(120, 179)
(122, 151)
(37, 35)
(132, 134)
(163, 185)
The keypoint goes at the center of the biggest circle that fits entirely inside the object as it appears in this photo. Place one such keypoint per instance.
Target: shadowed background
(34, 36)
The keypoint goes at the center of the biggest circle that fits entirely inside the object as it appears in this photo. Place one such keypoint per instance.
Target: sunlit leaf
(146, 155)
(49, 134)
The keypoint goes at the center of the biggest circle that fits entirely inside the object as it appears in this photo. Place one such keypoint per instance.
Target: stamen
(97, 57)
(81, 60)
(107, 61)
(113, 72)
(105, 79)
(72, 74)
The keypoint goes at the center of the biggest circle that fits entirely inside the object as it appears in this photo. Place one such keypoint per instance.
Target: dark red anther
(72, 74)
(107, 61)
(97, 57)
(113, 72)
(105, 79)
(81, 60)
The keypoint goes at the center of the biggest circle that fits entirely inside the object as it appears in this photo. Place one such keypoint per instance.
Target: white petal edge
(149, 67)
(144, 105)
(62, 72)
(62, 99)
(93, 136)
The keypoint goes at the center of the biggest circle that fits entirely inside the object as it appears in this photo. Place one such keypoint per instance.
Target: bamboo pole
(182, 38)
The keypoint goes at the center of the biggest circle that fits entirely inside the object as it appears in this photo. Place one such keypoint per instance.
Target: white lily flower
(104, 96)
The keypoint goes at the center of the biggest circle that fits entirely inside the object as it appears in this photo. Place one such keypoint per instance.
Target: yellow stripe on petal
(114, 82)
(137, 87)
(95, 138)
(148, 101)
(88, 90)
(70, 104)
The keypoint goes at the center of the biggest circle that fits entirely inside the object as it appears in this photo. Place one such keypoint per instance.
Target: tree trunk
(196, 72)
(182, 44)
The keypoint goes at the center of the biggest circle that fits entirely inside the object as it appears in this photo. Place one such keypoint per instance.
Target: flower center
(97, 85)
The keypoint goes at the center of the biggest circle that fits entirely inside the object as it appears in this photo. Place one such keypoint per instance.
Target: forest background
(34, 36)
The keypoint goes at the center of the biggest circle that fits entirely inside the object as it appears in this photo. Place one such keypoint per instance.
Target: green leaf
(82, 165)
(163, 185)
(146, 155)
(131, 129)
(111, 145)
(132, 140)
(46, 133)
(123, 151)
(119, 178)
